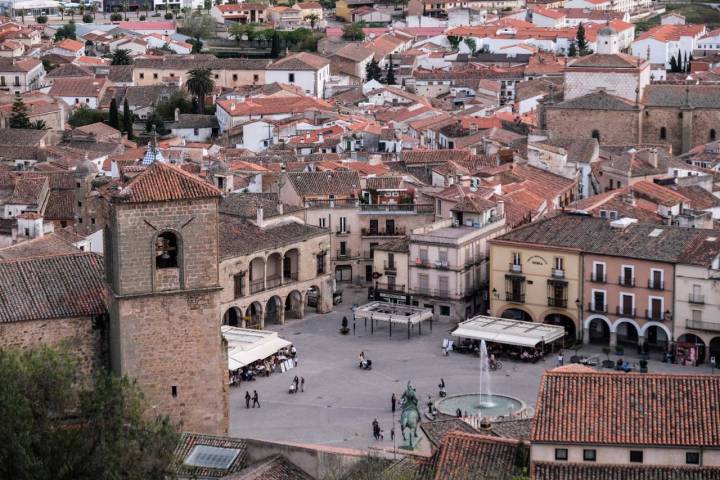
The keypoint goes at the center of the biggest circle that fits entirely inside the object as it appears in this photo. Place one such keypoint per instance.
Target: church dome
(607, 31)
(85, 168)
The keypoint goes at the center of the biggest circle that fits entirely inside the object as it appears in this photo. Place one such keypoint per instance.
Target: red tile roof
(161, 182)
(465, 455)
(576, 471)
(666, 33)
(71, 45)
(612, 408)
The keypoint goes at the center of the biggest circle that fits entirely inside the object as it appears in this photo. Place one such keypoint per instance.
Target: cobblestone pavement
(340, 400)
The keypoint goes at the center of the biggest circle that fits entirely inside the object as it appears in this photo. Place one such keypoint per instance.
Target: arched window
(596, 135)
(663, 133)
(713, 135)
(166, 250)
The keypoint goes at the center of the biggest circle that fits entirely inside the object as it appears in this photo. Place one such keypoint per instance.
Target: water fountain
(483, 404)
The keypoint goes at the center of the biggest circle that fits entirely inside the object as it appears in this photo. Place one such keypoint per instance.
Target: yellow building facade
(536, 283)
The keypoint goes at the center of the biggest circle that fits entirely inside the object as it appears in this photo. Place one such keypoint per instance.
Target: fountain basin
(485, 405)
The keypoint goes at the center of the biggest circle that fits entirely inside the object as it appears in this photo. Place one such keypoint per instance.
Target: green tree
(59, 424)
(197, 45)
(66, 31)
(48, 65)
(87, 18)
(19, 117)
(21, 12)
(121, 56)
(312, 18)
(41, 19)
(572, 51)
(179, 99)
(85, 116)
(373, 71)
(267, 35)
(688, 63)
(155, 122)
(199, 84)
(454, 41)
(275, 45)
(128, 120)
(113, 119)
(471, 44)
(673, 64)
(239, 30)
(353, 32)
(390, 72)
(39, 125)
(199, 26)
(582, 45)
(116, 17)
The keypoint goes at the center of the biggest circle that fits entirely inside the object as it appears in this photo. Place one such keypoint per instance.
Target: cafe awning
(393, 312)
(508, 332)
(246, 346)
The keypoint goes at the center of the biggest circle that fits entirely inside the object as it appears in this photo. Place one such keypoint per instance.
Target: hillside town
(359, 239)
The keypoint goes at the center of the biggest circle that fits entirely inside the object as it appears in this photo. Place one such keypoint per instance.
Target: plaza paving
(340, 400)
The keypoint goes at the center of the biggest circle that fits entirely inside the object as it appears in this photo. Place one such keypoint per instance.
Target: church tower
(161, 261)
(608, 41)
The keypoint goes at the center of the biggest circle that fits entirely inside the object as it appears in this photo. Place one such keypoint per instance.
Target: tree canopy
(199, 26)
(58, 424)
(373, 71)
(581, 41)
(66, 31)
(353, 32)
(199, 84)
(19, 117)
(121, 56)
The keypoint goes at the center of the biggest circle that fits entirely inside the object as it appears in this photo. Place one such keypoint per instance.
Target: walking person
(256, 399)
(392, 434)
(296, 381)
(302, 384)
(376, 429)
(393, 402)
(247, 399)
(560, 359)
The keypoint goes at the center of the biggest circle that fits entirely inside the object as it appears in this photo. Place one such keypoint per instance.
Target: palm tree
(312, 18)
(61, 9)
(199, 84)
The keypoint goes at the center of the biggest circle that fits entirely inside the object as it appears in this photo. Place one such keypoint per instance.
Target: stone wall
(194, 221)
(615, 127)
(75, 333)
(173, 340)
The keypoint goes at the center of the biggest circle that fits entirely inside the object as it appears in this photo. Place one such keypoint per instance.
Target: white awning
(246, 346)
(393, 312)
(508, 332)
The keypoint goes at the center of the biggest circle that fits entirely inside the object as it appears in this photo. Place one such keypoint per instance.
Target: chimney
(259, 220)
(653, 157)
(500, 208)
(177, 114)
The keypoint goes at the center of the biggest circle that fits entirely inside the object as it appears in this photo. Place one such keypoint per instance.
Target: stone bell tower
(161, 260)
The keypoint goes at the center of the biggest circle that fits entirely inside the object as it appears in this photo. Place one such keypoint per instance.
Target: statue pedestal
(410, 444)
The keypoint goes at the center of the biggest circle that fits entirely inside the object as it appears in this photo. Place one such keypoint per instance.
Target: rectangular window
(516, 260)
(235, 77)
(656, 309)
(291, 77)
(390, 226)
(636, 456)
(343, 248)
(320, 263)
(628, 276)
(656, 279)
(424, 255)
(589, 455)
(423, 282)
(444, 310)
(697, 315)
(627, 305)
(256, 78)
(443, 257)
(374, 226)
(238, 284)
(604, 213)
(142, 75)
(155, 76)
(343, 225)
(321, 222)
(692, 458)
(443, 283)
(2, 81)
(559, 263)
(561, 454)
(599, 272)
(173, 391)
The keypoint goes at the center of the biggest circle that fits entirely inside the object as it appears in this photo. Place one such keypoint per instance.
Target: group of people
(264, 367)
(364, 362)
(379, 433)
(255, 399)
(298, 384)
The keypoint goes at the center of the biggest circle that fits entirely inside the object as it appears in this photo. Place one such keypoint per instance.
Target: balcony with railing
(596, 277)
(597, 307)
(557, 302)
(257, 286)
(390, 267)
(626, 281)
(390, 287)
(515, 268)
(702, 325)
(342, 231)
(625, 312)
(345, 254)
(342, 203)
(657, 316)
(514, 297)
(385, 232)
(397, 208)
(431, 292)
(696, 298)
(427, 263)
(656, 284)
(557, 273)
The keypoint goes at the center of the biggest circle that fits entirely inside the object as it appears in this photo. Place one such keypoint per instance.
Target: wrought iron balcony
(656, 285)
(696, 298)
(625, 312)
(626, 281)
(597, 308)
(557, 302)
(515, 297)
(598, 277)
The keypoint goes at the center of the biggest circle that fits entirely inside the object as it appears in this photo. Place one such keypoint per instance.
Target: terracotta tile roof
(598, 101)
(71, 45)
(461, 454)
(666, 33)
(577, 471)
(384, 183)
(610, 60)
(70, 70)
(518, 428)
(614, 408)
(189, 440)
(273, 105)
(161, 182)
(43, 288)
(60, 205)
(169, 25)
(658, 193)
(77, 87)
(44, 246)
(245, 205)
(698, 197)
(300, 61)
(698, 96)
(430, 157)
(239, 237)
(436, 430)
(28, 191)
(276, 467)
(339, 183)
(556, 14)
